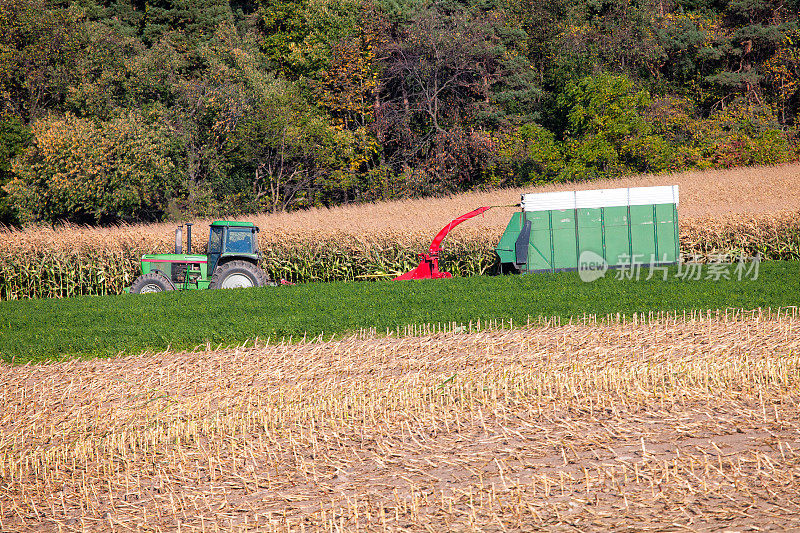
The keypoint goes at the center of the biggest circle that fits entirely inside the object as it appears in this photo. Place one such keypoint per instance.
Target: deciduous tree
(81, 171)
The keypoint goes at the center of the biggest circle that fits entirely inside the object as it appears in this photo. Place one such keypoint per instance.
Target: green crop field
(36, 330)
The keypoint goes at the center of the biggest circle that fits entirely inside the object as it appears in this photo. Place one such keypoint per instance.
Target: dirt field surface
(738, 194)
(664, 423)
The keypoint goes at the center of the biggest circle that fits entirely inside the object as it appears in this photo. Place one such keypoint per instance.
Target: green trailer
(567, 230)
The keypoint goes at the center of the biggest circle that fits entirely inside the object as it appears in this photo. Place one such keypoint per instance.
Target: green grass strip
(89, 326)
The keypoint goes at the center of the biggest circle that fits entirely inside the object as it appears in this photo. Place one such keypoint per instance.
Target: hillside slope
(716, 194)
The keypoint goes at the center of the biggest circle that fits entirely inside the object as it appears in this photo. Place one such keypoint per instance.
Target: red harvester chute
(428, 267)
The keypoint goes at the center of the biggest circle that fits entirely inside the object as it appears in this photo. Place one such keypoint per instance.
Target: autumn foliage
(142, 110)
(79, 170)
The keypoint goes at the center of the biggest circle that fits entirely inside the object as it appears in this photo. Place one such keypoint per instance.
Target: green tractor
(232, 262)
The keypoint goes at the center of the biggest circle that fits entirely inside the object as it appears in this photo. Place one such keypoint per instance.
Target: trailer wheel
(238, 274)
(152, 282)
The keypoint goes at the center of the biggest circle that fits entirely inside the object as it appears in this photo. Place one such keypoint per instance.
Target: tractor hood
(172, 258)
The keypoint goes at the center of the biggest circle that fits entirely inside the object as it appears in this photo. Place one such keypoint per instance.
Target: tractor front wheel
(238, 274)
(152, 282)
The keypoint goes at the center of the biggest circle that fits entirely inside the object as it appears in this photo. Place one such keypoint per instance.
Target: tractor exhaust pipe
(188, 237)
(179, 240)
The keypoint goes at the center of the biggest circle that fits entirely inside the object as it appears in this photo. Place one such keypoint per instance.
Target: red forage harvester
(428, 267)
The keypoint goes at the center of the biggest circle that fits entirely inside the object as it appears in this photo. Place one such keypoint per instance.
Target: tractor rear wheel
(152, 282)
(238, 274)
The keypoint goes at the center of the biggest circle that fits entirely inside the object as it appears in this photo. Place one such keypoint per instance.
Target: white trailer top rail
(554, 201)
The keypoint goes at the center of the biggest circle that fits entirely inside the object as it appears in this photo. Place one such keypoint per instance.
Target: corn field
(58, 274)
(736, 211)
(38, 268)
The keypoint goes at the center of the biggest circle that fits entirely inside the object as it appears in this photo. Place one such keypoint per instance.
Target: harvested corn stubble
(663, 422)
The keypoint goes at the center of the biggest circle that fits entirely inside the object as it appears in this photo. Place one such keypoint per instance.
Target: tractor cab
(232, 240)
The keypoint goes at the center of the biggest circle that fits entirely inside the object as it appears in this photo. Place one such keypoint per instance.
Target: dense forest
(147, 109)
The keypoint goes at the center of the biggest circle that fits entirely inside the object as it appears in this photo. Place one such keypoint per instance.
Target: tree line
(136, 110)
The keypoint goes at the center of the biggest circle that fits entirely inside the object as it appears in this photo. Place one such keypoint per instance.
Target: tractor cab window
(215, 240)
(240, 240)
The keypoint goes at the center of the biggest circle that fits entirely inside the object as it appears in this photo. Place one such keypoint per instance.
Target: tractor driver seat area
(239, 242)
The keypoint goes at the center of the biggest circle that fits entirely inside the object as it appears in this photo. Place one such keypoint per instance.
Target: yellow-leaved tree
(79, 170)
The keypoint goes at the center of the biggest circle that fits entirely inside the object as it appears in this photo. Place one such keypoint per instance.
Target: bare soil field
(666, 423)
(737, 194)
